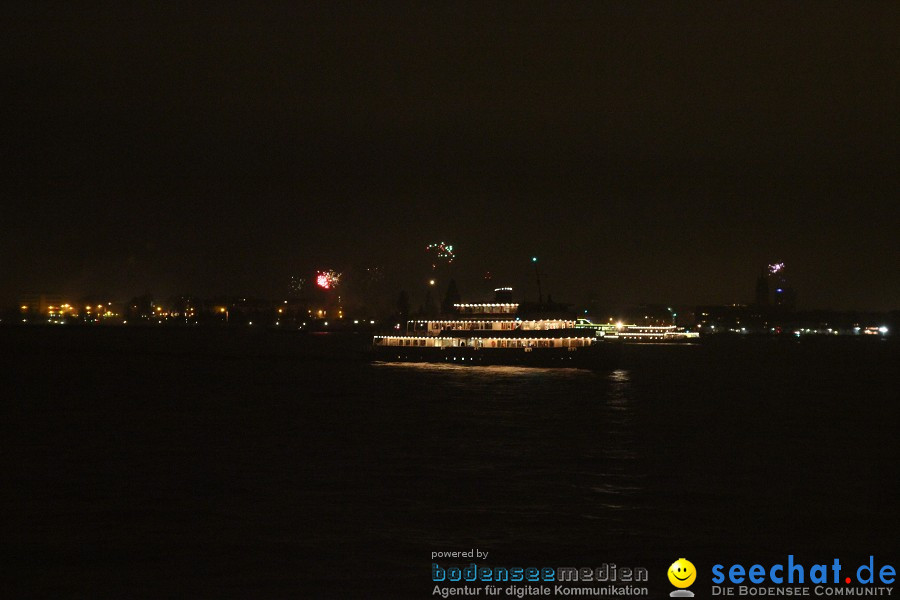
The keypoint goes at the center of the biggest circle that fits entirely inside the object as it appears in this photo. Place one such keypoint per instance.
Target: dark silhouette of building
(786, 297)
(762, 290)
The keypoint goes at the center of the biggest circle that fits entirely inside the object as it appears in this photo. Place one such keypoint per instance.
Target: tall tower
(785, 297)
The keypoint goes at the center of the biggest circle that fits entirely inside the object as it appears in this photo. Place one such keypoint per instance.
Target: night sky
(658, 152)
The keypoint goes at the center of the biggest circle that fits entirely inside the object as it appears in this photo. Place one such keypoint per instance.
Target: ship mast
(538, 274)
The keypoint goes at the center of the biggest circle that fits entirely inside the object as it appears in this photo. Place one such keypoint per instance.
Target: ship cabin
(490, 325)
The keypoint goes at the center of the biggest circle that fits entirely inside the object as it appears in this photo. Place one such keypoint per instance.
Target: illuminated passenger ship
(491, 334)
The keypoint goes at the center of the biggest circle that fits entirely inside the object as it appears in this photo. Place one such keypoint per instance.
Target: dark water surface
(208, 463)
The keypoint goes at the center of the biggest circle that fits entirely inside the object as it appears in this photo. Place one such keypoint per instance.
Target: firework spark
(296, 285)
(440, 253)
(328, 280)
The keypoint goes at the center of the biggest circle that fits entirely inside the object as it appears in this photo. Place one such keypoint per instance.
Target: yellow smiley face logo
(682, 573)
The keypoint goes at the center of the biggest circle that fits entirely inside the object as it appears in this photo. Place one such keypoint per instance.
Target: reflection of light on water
(619, 423)
(549, 448)
(617, 488)
(620, 376)
(619, 389)
(492, 370)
